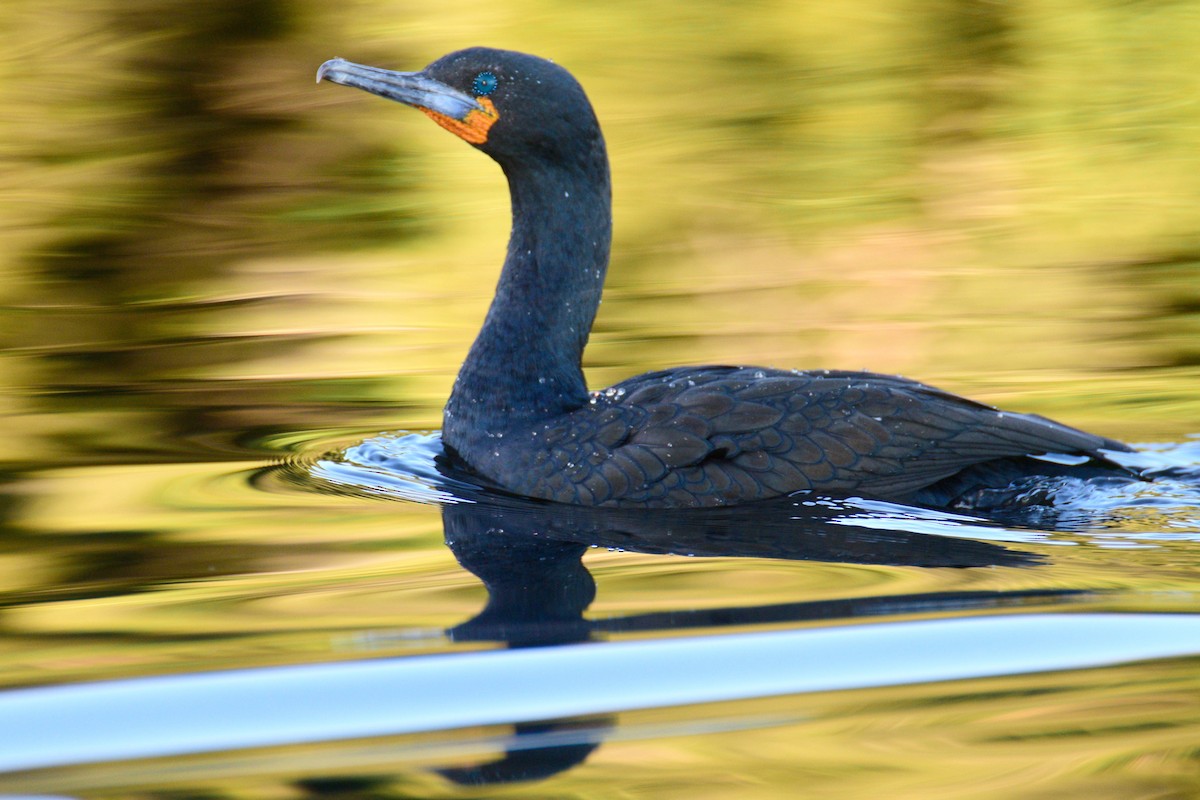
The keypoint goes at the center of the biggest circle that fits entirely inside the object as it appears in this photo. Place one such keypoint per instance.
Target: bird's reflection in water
(529, 556)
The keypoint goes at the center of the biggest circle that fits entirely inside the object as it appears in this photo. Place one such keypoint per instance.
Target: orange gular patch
(475, 127)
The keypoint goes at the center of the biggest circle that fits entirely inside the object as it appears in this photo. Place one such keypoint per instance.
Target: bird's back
(708, 436)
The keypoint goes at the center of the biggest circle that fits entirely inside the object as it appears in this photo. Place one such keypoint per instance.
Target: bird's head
(515, 107)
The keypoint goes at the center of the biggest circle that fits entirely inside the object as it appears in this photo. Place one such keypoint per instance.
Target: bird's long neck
(525, 364)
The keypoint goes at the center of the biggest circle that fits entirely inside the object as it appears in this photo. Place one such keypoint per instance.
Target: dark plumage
(520, 414)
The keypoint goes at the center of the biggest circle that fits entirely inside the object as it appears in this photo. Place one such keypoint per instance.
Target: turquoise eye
(485, 84)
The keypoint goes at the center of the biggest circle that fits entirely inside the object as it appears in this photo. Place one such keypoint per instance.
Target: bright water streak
(187, 714)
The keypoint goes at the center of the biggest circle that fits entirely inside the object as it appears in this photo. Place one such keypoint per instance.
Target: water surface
(221, 280)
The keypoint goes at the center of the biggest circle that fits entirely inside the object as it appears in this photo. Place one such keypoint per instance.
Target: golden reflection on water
(206, 254)
(1114, 733)
(993, 197)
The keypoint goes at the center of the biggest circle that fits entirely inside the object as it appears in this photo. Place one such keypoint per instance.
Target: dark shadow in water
(529, 556)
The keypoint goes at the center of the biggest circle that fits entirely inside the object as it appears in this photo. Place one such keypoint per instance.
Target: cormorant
(521, 417)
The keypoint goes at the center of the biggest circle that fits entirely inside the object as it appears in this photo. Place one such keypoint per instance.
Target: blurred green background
(200, 245)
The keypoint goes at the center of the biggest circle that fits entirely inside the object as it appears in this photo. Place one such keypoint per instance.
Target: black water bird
(521, 417)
